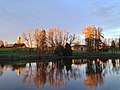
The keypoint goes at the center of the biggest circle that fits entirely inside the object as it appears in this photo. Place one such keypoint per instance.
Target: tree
(119, 42)
(51, 41)
(89, 37)
(93, 37)
(43, 40)
(98, 38)
(1, 43)
(27, 37)
(58, 36)
(113, 46)
(55, 37)
(58, 39)
(69, 38)
(36, 36)
(59, 50)
(68, 50)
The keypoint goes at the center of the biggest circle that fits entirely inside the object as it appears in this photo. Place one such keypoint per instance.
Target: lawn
(17, 52)
(117, 51)
(26, 52)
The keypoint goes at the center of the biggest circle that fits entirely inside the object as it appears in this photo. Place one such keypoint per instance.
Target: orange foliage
(88, 31)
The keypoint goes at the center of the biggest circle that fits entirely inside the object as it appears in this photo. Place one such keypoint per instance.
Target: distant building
(19, 40)
(22, 45)
(19, 44)
(79, 48)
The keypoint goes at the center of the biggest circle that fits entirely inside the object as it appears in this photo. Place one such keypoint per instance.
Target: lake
(67, 74)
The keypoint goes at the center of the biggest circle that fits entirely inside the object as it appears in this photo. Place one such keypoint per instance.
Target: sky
(18, 16)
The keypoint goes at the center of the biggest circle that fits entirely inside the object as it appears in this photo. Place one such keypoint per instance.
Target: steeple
(19, 40)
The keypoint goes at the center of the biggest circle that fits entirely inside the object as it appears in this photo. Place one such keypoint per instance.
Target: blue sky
(18, 16)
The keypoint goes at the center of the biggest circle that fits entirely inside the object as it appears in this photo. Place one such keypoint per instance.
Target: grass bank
(27, 53)
(17, 52)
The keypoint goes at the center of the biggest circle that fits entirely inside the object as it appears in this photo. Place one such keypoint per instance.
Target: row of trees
(4, 44)
(54, 40)
(95, 41)
(59, 41)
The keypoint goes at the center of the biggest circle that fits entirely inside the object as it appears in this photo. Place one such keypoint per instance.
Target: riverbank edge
(46, 57)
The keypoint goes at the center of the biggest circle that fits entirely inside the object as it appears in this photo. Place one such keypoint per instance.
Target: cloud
(108, 10)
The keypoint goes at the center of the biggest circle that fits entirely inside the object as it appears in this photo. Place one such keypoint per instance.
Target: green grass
(117, 51)
(16, 52)
(24, 52)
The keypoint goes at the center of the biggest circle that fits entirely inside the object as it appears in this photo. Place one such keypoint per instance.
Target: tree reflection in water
(58, 73)
(94, 73)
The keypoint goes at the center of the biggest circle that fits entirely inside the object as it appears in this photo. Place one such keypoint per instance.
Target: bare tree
(27, 37)
(1, 43)
(69, 38)
(98, 36)
(51, 38)
(72, 38)
(36, 36)
(55, 37)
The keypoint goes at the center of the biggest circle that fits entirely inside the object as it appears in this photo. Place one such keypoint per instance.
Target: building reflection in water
(58, 73)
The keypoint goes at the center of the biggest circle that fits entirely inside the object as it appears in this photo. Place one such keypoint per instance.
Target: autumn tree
(89, 37)
(93, 37)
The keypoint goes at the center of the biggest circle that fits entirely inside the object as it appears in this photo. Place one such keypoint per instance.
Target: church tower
(19, 40)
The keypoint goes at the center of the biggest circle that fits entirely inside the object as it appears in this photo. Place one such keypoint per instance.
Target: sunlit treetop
(88, 31)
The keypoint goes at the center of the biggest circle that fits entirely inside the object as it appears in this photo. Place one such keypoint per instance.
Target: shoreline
(47, 57)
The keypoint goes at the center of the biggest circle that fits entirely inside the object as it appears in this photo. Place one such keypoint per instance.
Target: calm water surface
(68, 74)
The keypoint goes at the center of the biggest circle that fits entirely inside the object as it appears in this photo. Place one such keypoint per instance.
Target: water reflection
(94, 75)
(58, 73)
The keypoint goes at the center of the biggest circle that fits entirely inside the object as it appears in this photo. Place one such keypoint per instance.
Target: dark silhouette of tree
(98, 38)
(113, 46)
(59, 50)
(104, 47)
(1, 44)
(68, 63)
(68, 50)
(43, 41)
(119, 42)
